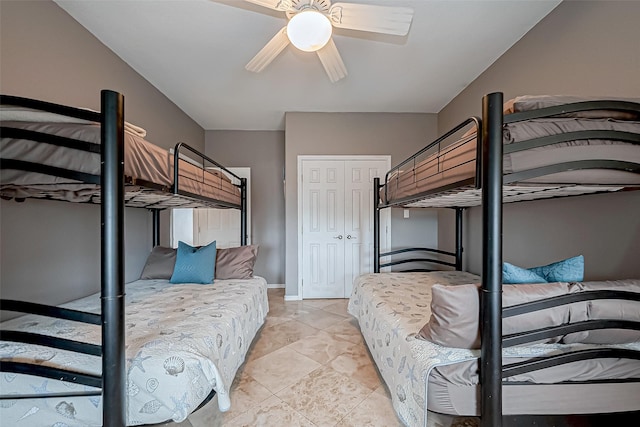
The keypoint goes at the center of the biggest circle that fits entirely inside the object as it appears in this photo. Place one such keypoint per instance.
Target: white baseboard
(292, 298)
(275, 285)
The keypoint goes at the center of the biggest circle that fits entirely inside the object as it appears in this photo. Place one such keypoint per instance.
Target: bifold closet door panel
(323, 229)
(337, 224)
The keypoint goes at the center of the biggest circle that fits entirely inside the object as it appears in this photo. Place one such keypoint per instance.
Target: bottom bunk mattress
(423, 376)
(182, 342)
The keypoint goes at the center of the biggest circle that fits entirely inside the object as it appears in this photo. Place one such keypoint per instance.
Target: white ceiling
(194, 51)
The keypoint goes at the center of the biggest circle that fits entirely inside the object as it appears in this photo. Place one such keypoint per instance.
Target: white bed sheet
(182, 341)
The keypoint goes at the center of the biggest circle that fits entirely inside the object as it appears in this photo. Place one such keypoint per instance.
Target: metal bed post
(156, 227)
(376, 225)
(243, 211)
(491, 295)
(459, 212)
(112, 280)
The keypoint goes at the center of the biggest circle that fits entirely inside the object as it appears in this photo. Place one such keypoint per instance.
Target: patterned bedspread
(182, 342)
(391, 308)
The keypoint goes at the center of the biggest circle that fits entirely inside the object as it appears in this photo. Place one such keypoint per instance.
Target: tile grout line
(355, 407)
(292, 312)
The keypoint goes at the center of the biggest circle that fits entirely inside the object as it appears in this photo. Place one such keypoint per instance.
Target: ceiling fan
(311, 23)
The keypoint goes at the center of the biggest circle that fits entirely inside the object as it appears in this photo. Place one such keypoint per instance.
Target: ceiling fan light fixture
(309, 30)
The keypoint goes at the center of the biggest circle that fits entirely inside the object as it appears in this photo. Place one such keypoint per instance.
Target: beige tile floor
(308, 366)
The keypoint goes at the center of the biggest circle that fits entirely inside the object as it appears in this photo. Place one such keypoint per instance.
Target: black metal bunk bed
(112, 182)
(487, 184)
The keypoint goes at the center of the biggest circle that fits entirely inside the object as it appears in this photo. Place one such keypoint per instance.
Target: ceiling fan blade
(273, 4)
(269, 52)
(368, 17)
(332, 62)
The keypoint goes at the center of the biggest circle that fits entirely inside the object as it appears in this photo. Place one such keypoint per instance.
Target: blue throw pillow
(568, 270)
(194, 265)
(512, 274)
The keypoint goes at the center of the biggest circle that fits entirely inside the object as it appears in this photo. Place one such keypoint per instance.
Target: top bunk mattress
(148, 169)
(446, 175)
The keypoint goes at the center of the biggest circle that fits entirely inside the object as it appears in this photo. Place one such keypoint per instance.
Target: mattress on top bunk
(143, 161)
(422, 376)
(454, 166)
(182, 341)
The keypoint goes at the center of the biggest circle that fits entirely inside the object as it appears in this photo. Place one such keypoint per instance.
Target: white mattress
(182, 342)
(391, 308)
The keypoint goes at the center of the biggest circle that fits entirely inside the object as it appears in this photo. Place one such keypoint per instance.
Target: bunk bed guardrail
(204, 165)
(414, 158)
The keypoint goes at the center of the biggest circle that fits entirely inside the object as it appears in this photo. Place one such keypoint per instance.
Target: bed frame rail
(567, 109)
(538, 363)
(554, 331)
(52, 342)
(377, 256)
(417, 260)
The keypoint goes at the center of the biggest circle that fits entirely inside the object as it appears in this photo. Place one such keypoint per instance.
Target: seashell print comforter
(391, 308)
(182, 342)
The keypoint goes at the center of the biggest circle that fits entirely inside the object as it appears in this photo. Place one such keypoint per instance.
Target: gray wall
(263, 152)
(46, 54)
(50, 250)
(580, 48)
(395, 134)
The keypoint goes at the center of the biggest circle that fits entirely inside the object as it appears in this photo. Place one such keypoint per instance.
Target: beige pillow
(454, 316)
(160, 263)
(455, 312)
(236, 263)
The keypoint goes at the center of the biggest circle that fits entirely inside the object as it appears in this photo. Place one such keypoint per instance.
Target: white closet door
(337, 224)
(358, 230)
(323, 229)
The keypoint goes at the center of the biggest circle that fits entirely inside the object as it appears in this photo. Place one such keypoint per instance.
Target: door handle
(349, 236)
(338, 237)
